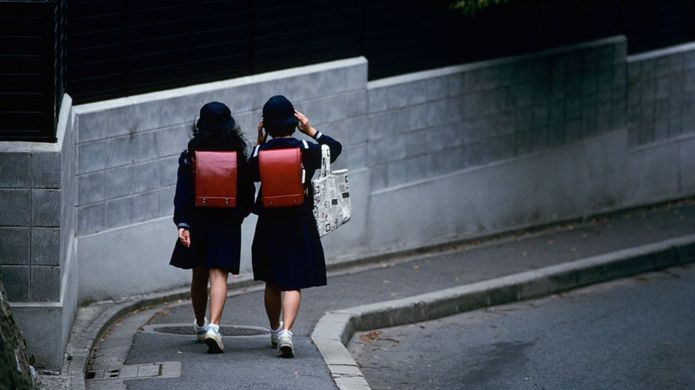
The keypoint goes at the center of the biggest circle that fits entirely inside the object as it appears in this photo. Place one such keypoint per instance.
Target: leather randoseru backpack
(282, 177)
(215, 178)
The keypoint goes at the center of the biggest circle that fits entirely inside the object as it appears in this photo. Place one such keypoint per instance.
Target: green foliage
(472, 7)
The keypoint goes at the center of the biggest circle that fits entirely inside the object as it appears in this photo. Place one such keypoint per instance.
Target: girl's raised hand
(304, 125)
(262, 135)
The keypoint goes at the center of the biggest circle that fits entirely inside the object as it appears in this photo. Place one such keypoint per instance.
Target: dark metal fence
(125, 47)
(114, 48)
(30, 64)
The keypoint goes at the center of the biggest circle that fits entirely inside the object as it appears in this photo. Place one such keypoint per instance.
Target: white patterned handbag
(332, 205)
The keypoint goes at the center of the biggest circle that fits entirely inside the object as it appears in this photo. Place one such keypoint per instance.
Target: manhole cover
(187, 330)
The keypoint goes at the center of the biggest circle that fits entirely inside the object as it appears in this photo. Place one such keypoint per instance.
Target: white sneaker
(285, 345)
(274, 335)
(213, 339)
(200, 330)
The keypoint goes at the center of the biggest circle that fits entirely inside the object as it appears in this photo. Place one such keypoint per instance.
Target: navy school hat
(278, 112)
(214, 117)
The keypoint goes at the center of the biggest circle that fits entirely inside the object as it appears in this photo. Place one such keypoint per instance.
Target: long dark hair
(229, 139)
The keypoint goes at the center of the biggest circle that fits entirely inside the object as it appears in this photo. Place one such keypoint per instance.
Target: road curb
(335, 329)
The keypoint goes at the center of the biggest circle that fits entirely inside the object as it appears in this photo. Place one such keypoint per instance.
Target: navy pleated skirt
(215, 243)
(287, 249)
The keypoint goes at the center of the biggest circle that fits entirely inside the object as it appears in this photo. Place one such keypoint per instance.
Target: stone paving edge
(334, 330)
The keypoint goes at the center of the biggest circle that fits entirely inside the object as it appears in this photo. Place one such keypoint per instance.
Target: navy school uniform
(286, 248)
(215, 232)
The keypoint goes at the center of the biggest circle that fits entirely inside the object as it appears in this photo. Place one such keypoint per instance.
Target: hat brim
(284, 122)
(214, 127)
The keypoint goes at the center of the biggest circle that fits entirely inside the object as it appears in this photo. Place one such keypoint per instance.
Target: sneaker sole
(286, 351)
(213, 346)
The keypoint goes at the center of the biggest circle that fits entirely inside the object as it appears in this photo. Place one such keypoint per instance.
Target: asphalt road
(635, 333)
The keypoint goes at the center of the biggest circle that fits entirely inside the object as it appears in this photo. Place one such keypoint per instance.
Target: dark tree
(15, 371)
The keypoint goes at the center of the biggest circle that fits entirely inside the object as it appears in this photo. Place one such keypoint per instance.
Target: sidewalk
(250, 363)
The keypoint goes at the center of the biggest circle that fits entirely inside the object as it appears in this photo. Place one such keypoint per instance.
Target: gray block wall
(434, 156)
(661, 98)
(127, 157)
(127, 150)
(37, 267)
(435, 122)
(401, 135)
(35, 194)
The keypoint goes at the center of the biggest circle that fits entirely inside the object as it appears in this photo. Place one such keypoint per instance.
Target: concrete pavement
(250, 363)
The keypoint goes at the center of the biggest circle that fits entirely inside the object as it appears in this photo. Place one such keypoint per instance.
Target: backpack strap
(306, 147)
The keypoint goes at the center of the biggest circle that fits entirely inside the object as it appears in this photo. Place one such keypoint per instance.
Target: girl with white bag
(286, 251)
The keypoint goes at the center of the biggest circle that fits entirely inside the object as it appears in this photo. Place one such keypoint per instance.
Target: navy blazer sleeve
(183, 200)
(312, 157)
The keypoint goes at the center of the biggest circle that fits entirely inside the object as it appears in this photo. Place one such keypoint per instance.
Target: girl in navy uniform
(210, 238)
(286, 251)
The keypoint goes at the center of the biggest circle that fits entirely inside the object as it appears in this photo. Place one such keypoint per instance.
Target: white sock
(205, 323)
(215, 327)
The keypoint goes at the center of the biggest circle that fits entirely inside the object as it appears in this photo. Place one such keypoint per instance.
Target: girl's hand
(262, 135)
(185, 237)
(304, 125)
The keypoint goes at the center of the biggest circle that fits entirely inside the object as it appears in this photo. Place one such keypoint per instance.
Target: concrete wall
(439, 143)
(661, 123)
(661, 94)
(127, 159)
(37, 262)
(486, 147)
(434, 156)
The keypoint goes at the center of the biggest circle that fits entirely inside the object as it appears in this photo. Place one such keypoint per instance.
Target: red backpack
(215, 178)
(282, 177)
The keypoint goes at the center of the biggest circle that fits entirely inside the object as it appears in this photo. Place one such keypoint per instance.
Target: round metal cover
(187, 330)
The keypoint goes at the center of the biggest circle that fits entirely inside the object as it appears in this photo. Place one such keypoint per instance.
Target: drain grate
(187, 330)
(135, 371)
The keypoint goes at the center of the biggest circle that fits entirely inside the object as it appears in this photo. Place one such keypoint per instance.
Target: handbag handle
(325, 160)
